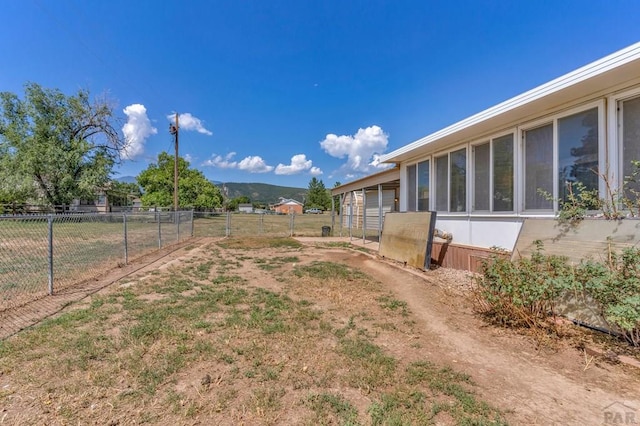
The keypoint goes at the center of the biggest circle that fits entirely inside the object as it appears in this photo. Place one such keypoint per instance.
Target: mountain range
(257, 192)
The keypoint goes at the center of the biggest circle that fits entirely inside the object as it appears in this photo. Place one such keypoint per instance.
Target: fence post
(192, 220)
(177, 213)
(50, 232)
(262, 223)
(159, 231)
(126, 242)
(228, 225)
(291, 220)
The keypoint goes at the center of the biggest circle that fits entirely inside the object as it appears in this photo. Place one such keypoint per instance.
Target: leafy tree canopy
(317, 196)
(235, 202)
(194, 190)
(53, 147)
(122, 193)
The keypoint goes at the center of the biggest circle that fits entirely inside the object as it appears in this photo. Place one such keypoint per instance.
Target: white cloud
(251, 164)
(188, 122)
(222, 162)
(188, 157)
(315, 171)
(136, 131)
(254, 164)
(362, 149)
(299, 163)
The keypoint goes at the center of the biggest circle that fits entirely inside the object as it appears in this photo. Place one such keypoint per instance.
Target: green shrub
(524, 293)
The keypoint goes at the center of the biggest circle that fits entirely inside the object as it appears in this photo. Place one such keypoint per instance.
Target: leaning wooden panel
(407, 237)
(587, 239)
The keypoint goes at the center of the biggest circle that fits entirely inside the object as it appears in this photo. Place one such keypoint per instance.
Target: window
(493, 175)
(481, 177)
(502, 174)
(423, 186)
(451, 181)
(630, 116)
(458, 188)
(418, 187)
(557, 156)
(538, 168)
(578, 152)
(411, 188)
(442, 183)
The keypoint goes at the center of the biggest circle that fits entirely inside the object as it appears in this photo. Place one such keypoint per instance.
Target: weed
(328, 270)
(331, 408)
(387, 302)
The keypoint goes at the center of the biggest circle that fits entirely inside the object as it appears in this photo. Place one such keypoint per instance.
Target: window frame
(472, 188)
(615, 152)
(434, 180)
(553, 120)
(416, 186)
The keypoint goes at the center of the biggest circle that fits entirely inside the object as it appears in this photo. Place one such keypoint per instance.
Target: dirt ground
(529, 383)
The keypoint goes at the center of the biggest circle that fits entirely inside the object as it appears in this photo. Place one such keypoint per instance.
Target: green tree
(235, 202)
(122, 193)
(194, 190)
(55, 148)
(336, 199)
(317, 195)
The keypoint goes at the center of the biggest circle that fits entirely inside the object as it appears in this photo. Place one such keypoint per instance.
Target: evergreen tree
(317, 196)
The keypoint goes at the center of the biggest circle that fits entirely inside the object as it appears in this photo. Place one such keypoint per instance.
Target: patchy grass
(256, 243)
(193, 344)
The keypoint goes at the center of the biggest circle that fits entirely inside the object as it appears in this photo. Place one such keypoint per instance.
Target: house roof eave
(619, 67)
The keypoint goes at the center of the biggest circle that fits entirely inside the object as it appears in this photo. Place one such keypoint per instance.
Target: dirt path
(534, 387)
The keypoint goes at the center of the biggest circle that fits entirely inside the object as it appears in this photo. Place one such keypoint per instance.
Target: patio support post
(379, 212)
(351, 216)
(364, 216)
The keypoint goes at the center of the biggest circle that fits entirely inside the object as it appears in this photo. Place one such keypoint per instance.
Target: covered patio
(364, 202)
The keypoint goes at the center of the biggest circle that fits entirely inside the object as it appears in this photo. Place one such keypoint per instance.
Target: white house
(485, 174)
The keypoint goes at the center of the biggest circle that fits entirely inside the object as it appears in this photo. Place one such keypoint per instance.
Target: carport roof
(389, 179)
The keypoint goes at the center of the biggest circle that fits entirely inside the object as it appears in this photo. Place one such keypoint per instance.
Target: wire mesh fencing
(41, 254)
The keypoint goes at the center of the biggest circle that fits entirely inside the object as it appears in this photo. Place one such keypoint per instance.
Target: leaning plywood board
(588, 239)
(407, 237)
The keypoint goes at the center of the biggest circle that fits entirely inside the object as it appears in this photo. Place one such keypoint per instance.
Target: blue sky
(281, 91)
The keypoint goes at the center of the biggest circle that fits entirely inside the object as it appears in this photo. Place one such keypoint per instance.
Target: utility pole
(173, 129)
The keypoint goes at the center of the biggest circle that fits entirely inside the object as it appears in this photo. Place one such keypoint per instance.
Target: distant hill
(264, 192)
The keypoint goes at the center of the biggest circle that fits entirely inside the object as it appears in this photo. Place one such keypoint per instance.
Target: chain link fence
(44, 253)
(262, 224)
(40, 254)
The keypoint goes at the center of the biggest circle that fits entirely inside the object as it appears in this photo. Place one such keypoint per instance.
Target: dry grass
(221, 340)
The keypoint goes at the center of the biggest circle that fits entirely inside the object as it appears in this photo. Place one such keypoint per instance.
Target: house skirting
(458, 256)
